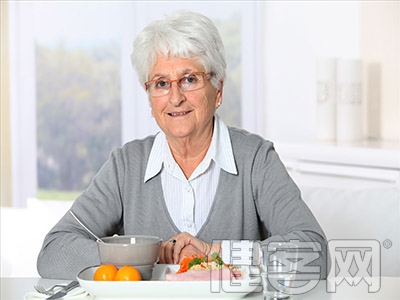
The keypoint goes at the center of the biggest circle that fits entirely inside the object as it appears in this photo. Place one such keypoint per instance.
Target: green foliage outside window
(78, 113)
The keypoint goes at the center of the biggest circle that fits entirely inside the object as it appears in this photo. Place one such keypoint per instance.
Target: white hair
(184, 34)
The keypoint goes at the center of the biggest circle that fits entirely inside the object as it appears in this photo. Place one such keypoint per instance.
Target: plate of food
(202, 279)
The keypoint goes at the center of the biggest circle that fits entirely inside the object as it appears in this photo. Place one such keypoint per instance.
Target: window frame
(22, 103)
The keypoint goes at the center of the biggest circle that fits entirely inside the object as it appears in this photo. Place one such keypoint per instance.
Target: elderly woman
(194, 182)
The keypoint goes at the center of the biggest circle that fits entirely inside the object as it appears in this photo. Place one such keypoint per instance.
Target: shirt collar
(223, 155)
(220, 151)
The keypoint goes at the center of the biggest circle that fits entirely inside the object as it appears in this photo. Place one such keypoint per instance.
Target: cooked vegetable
(189, 261)
(197, 261)
(217, 259)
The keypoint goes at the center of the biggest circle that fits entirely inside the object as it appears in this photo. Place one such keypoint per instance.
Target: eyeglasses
(187, 83)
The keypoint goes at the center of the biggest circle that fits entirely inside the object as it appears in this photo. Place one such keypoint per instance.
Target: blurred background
(69, 96)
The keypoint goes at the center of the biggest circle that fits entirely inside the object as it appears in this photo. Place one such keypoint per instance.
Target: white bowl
(132, 250)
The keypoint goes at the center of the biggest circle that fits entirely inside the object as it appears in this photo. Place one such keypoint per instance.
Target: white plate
(159, 288)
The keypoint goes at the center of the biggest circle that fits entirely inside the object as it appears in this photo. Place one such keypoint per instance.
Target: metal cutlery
(64, 290)
(84, 226)
(40, 289)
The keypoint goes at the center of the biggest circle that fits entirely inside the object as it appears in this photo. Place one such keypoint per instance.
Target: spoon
(87, 229)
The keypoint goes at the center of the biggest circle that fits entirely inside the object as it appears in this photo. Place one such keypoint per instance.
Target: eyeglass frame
(206, 77)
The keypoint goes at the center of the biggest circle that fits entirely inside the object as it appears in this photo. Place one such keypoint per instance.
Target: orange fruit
(105, 272)
(128, 273)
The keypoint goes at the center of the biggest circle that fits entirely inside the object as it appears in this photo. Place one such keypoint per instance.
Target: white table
(16, 288)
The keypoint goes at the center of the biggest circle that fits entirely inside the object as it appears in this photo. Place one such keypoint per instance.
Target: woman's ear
(219, 94)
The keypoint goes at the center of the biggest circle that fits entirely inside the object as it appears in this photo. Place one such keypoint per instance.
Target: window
(75, 95)
(78, 98)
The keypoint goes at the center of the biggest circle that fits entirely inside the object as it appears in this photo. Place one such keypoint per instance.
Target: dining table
(17, 287)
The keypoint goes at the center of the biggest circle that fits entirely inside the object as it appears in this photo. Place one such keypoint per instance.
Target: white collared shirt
(189, 200)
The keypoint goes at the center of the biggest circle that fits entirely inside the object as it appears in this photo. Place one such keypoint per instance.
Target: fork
(40, 289)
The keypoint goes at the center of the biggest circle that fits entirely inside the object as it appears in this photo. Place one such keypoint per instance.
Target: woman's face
(183, 114)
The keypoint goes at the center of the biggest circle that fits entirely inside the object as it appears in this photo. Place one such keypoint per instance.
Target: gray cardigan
(260, 202)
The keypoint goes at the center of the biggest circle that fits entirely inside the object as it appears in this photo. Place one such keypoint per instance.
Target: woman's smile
(179, 113)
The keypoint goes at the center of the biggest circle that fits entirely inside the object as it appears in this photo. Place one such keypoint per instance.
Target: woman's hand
(166, 251)
(189, 250)
(178, 246)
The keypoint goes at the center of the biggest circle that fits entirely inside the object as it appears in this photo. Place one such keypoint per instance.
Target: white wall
(380, 51)
(295, 35)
